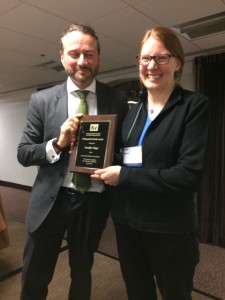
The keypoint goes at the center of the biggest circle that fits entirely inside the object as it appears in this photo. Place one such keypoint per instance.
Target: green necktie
(80, 180)
(83, 107)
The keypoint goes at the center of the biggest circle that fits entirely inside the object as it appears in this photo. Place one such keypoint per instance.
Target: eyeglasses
(160, 59)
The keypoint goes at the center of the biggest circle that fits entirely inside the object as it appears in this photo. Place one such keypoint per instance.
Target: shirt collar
(71, 87)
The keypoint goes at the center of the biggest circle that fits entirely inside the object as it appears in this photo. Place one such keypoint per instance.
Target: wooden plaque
(95, 143)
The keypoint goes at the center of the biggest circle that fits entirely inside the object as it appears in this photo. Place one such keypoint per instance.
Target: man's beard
(74, 74)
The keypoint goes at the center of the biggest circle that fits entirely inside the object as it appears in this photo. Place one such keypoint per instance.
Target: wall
(13, 109)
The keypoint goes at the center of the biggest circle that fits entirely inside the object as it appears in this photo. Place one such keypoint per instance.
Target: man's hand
(68, 131)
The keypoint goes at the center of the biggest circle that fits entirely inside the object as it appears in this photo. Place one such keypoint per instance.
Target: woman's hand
(109, 175)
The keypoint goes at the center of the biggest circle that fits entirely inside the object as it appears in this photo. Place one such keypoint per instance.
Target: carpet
(209, 281)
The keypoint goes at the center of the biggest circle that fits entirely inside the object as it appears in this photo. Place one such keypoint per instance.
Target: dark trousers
(168, 258)
(83, 219)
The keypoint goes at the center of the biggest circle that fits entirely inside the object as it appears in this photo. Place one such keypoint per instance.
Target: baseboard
(15, 185)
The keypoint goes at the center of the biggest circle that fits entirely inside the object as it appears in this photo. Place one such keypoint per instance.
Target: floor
(107, 279)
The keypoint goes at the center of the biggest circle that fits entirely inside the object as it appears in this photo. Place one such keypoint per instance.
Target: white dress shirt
(73, 103)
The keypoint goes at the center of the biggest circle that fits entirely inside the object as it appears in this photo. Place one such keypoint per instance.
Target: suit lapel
(102, 98)
(61, 102)
(61, 105)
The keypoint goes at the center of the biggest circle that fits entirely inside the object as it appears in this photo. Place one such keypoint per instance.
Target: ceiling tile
(126, 54)
(7, 5)
(170, 13)
(33, 22)
(129, 27)
(14, 40)
(42, 49)
(85, 10)
(212, 41)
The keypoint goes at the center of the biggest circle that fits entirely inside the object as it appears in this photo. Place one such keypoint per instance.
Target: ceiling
(30, 32)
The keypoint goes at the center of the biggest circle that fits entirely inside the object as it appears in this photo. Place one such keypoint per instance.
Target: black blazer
(159, 196)
(48, 109)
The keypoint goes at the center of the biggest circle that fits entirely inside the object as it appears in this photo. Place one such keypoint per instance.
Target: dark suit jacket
(48, 109)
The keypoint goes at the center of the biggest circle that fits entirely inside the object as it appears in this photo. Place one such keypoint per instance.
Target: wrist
(56, 146)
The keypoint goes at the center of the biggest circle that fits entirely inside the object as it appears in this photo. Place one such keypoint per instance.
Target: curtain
(210, 80)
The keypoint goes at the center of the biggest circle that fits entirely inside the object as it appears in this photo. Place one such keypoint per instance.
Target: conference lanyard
(132, 156)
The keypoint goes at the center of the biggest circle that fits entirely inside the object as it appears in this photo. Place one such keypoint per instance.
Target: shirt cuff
(51, 154)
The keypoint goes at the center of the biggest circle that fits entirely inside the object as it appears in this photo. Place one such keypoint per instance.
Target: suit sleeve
(31, 150)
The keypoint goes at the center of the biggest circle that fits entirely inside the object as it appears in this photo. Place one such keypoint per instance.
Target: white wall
(13, 110)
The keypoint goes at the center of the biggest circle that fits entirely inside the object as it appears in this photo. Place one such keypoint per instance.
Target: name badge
(132, 156)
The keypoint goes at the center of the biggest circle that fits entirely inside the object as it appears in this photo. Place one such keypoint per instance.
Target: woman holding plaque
(164, 141)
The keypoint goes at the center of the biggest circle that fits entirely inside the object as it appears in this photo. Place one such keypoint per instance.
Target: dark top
(159, 196)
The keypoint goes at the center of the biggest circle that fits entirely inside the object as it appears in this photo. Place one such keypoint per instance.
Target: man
(56, 206)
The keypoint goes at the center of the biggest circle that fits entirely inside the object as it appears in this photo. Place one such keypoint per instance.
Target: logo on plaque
(94, 127)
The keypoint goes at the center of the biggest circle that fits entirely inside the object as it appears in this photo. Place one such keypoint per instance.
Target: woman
(164, 139)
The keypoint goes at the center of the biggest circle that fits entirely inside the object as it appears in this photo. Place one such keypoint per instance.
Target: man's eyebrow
(78, 51)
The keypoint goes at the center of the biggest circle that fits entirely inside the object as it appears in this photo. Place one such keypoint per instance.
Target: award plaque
(95, 143)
